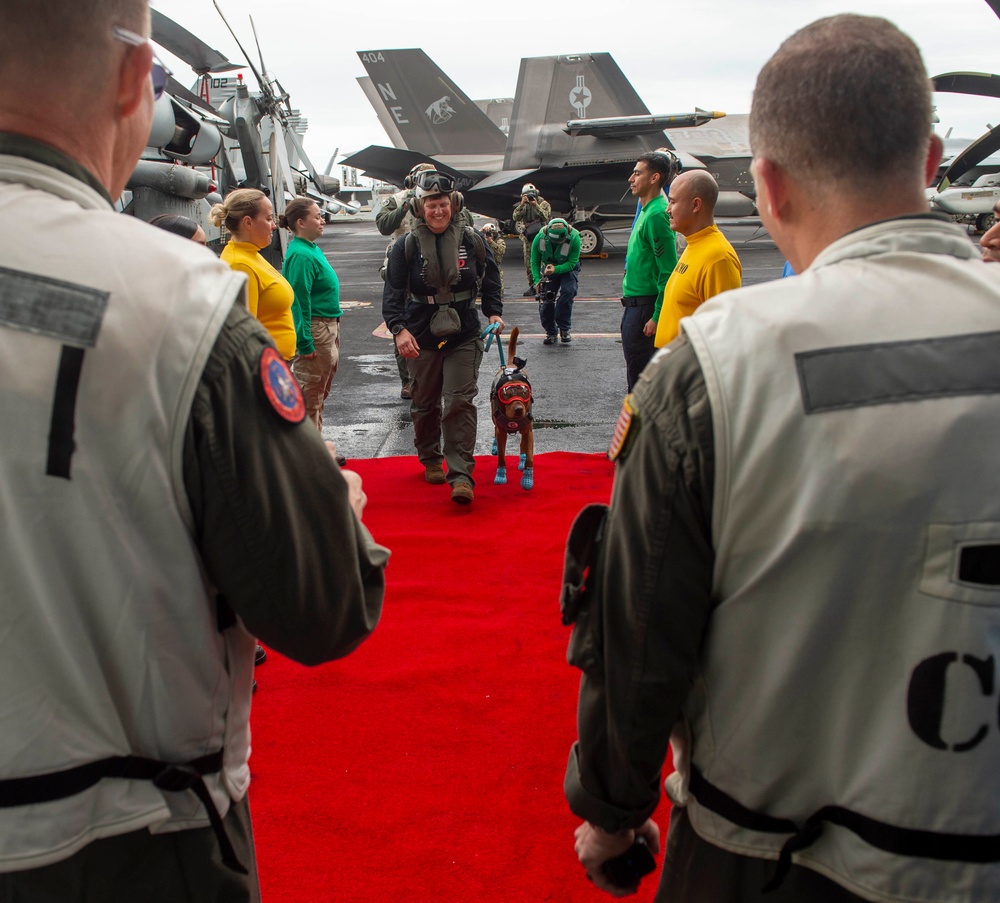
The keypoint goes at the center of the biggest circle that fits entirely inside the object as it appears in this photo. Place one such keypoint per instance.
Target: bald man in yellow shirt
(708, 266)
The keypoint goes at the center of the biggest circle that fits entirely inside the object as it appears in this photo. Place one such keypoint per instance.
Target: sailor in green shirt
(650, 259)
(316, 308)
(555, 263)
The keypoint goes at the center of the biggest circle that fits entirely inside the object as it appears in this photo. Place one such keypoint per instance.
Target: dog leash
(488, 333)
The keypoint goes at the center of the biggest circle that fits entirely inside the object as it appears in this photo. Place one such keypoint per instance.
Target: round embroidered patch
(281, 387)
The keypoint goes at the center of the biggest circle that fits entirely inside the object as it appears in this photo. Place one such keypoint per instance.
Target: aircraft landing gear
(591, 238)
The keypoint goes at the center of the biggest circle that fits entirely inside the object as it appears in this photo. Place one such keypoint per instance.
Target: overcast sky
(708, 56)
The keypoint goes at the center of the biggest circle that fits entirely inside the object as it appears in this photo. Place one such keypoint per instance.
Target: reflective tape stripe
(888, 373)
(51, 307)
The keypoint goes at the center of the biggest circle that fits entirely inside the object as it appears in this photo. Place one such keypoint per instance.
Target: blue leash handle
(488, 333)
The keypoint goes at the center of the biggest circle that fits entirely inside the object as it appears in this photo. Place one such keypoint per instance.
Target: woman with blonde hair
(249, 217)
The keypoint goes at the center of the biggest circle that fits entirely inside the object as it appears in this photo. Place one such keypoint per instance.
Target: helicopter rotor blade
(972, 156)
(260, 53)
(186, 46)
(246, 56)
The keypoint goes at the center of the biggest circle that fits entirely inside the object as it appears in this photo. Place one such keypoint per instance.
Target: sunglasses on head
(159, 73)
(432, 180)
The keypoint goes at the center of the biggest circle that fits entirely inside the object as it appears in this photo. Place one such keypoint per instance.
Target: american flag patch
(619, 441)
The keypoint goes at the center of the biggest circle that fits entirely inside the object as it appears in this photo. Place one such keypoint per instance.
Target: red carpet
(428, 765)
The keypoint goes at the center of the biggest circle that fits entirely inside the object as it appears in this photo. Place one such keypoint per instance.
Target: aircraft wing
(184, 45)
(391, 164)
(981, 84)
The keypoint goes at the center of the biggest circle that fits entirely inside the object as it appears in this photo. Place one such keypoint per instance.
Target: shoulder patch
(626, 427)
(281, 387)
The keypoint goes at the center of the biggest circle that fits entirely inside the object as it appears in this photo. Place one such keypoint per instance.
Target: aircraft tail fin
(551, 90)
(381, 112)
(429, 113)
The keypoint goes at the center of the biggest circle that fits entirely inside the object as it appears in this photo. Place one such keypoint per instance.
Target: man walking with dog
(555, 263)
(708, 266)
(429, 304)
(650, 259)
(797, 582)
(165, 498)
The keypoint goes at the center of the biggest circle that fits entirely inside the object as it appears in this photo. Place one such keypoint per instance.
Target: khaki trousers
(315, 374)
(444, 387)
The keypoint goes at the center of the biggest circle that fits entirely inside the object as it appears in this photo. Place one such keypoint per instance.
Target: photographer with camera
(494, 238)
(529, 217)
(555, 261)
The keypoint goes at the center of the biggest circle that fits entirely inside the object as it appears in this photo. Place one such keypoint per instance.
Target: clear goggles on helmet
(514, 391)
(159, 73)
(433, 181)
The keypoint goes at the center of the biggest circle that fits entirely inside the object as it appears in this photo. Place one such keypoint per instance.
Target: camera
(547, 292)
(531, 196)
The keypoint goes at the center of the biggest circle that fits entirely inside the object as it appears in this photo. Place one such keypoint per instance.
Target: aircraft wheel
(985, 222)
(591, 238)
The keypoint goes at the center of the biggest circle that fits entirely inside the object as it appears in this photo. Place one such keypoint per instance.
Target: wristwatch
(398, 328)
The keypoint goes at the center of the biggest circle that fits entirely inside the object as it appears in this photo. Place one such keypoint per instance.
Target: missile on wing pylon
(626, 126)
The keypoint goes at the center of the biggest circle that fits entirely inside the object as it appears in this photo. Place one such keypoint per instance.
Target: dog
(511, 402)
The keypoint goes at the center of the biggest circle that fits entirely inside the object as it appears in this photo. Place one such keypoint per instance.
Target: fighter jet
(576, 128)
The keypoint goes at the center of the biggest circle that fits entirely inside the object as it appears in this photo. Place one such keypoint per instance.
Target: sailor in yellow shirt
(249, 217)
(708, 266)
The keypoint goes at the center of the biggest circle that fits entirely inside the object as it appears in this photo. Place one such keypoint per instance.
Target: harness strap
(510, 425)
(447, 298)
(899, 841)
(479, 247)
(171, 778)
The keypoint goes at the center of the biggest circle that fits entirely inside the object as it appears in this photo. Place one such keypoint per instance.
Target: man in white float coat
(163, 499)
(800, 575)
